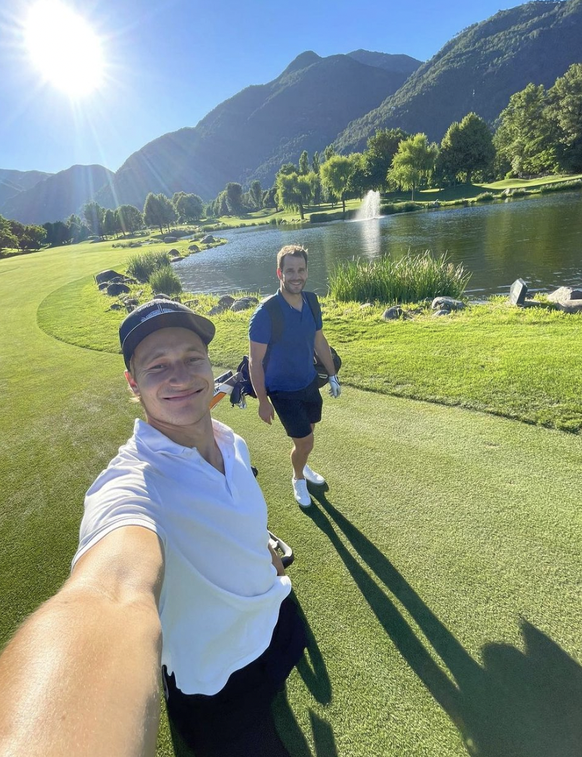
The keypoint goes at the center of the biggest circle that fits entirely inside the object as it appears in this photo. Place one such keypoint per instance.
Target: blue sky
(169, 62)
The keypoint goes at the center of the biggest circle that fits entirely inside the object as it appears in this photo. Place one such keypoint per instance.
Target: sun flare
(64, 48)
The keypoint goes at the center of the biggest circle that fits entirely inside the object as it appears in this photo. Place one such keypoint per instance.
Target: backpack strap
(273, 308)
(314, 305)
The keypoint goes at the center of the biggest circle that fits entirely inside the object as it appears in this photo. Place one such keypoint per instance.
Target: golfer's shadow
(518, 704)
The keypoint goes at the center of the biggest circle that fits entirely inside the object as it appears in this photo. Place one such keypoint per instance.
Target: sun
(64, 48)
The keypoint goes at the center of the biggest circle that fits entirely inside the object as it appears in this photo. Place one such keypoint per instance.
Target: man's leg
(300, 453)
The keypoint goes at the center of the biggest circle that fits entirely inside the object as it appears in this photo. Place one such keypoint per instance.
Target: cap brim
(196, 323)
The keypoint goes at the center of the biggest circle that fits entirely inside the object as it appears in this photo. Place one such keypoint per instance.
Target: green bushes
(389, 208)
(164, 280)
(485, 197)
(142, 266)
(561, 186)
(410, 279)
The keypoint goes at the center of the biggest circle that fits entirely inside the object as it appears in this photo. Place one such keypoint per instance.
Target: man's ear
(279, 273)
(132, 385)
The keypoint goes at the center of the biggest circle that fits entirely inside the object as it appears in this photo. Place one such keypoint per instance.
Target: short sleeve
(260, 326)
(115, 500)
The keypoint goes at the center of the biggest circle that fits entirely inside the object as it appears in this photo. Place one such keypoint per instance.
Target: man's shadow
(518, 704)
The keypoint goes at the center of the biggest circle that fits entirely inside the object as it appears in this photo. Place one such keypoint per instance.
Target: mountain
(251, 134)
(13, 182)
(57, 196)
(401, 63)
(479, 70)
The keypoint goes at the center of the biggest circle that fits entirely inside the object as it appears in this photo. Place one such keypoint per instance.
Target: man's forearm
(257, 375)
(81, 677)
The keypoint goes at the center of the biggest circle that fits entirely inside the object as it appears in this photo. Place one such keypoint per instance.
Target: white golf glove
(334, 387)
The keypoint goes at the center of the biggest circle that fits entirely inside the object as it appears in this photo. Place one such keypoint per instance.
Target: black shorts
(237, 721)
(298, 410)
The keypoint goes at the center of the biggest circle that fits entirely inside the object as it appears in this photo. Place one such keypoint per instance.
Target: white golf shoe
(313, 477)
(300, 492)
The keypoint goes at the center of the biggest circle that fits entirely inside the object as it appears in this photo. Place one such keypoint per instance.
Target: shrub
(142, 266)
(560, 186)
(410, 279)
(164, 280)
(485, 197)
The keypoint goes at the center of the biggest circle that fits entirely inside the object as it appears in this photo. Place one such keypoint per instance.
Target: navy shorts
(237, 721)
(298, 410)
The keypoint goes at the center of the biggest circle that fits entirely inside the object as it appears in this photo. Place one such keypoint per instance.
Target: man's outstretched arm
(81, 675)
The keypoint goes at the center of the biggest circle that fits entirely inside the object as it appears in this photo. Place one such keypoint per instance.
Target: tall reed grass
(142, 265)
(164, 280)
(410, 279)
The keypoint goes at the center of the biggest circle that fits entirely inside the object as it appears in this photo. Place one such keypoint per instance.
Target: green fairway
(439, 576)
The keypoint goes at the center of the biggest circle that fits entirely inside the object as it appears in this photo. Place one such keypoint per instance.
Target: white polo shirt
(221, 594)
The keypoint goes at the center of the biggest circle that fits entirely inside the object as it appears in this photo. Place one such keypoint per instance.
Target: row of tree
(539, 132)
(16, 235)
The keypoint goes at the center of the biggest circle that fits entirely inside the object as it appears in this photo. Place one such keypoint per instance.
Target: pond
(538, 239)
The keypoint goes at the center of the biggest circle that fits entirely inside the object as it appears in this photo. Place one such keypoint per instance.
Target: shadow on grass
(312, 670)
(518, 704)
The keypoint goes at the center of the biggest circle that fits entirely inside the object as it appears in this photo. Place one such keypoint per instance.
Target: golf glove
(334, 387)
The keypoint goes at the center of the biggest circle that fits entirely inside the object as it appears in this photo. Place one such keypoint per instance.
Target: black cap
(160, 314)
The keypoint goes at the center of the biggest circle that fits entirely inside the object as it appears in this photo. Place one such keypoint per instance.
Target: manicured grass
(440, 575)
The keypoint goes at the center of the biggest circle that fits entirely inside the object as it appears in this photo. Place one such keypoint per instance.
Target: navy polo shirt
(290, 364)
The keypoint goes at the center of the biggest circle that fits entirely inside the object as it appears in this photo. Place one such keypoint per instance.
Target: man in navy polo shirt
(282, 369)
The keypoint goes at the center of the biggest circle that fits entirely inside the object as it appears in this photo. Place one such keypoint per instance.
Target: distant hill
(250, 135)
(14, 182)
(401, 63)
(57, 196)
(478, 70)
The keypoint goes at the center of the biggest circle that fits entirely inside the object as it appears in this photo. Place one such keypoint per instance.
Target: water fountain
(370, 207)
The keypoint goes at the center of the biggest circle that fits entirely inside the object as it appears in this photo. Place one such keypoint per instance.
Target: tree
(378, 155)
(304, 163)
(524, 139)
(129, 219)
(270, 199)
(27, 237)
(466, 147)
(565, 113)
(335, 175)
(110, 223)
(315, 192)
(358, 182)
(292, 190)
(57, 233)
(328, 153)
(78, 230)
(315, 162)
(256, 193)
(94, 214)
(413, 162)
(158, 211)
(189, 207)
(8, 240)
(234, 201)
(287, 168)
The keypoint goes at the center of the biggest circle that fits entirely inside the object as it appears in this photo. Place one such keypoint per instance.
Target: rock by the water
(443, 311)
(447, 303)
(393, 313)
(365, 305)
(226, 300)
(113, 290)
(174, 251)
(107, 276)
(517, 292)
(570, 306)
(170, 239)
(565, 294)
(208, 239)
(194, 248)
(244, 303)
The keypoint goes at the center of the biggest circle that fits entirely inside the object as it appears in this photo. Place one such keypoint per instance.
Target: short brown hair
(290, 249)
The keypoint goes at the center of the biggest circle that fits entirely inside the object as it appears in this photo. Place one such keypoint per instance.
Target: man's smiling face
(172, 376)
(293, 274)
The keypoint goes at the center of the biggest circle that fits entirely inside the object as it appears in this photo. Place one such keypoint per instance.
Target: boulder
(114, 290)
(208, 239)
(226, 300)
(443, 311)
(194, 248)
(565, 294)
(107, 275)
(169, 240)
(570, 306)
(174, 251)
(365, 305)
(115, 306)
(393, 313)
(447, 303)
(244, 303)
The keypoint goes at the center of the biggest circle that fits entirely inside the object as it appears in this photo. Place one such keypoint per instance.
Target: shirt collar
(155, 441)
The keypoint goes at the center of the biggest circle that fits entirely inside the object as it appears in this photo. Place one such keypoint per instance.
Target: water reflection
(538, 239)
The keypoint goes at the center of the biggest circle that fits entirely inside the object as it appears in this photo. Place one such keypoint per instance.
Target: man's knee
(304, 444)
